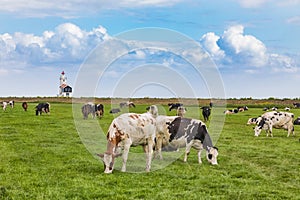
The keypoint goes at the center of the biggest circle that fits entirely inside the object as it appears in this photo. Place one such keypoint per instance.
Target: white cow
(274, 119)
(130, 129)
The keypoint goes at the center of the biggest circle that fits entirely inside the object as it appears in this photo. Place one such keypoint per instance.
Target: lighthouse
(64, 89)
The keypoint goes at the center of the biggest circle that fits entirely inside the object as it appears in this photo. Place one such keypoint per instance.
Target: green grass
(43, 157)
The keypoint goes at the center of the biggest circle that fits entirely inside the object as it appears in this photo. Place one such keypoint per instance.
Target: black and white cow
(10, 103)
(231, 111)
(297, 121)
(127, 104)
(296, 105)
(42, 107)
(275, 119)
(99, 109)
(130, 129)
(181, 111)
(252, 120)
(174, 106)
(179, 132)
(91, 108)
(206, 112)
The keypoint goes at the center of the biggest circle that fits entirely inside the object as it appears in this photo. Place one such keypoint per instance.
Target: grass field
(52, 157)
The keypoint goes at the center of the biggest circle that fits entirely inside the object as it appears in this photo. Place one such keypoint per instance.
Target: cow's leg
(199, 156)
(149, 153)
(187, 151)
(158, 146)
(127, 144)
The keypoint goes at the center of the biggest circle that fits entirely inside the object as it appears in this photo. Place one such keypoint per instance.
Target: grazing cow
(127, 104)
(274, 119)
(130, 129)
(88, 108)
(42, 107)
(179, 132)
(181, 111)
(5, 104)
(25, 106)
(252, 121)
(287, 109)
(206, 112)
(174, 106)
(114, 110)
(297, 121)
(296, 105)
(231, 111)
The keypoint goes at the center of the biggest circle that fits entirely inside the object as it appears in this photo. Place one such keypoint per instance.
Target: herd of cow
(155, 132)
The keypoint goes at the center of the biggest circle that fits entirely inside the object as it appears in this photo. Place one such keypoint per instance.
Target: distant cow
(287, 108)
(274, 119)
(25, 106)
(42, 107)
(174, 106)
(242, 109)
(231, 111)
(5, 104)
(252, 121)
(297, 121)
(99, 109)
(127, 104)
(206, 112)
(114, 110)
(130, 129)
(181, 132)
(296, 105)
(181, 111)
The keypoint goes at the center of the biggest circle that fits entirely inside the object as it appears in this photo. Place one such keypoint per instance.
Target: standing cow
(183, 132)
(274, 119)
(130, 129)
(206, 112)
(25, 106)
(42, 107)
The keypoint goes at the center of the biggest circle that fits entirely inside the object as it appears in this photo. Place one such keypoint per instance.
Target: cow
(242, 109)
(231, 111)
(129, 104)
(42, 107)
(179, 132)
(99, 109)
(181, 111)
(88, 108)
(5, 104)
(297, 121)
(274, 108)
(174, 106)
(25, 106)
(275, 119)
(287, 108)
(296, 105)
(114, 110)
(206, 112)
(130, 129)
(252, 120)
(266, 108)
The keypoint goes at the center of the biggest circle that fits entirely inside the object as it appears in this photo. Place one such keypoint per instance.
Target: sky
(157, 48)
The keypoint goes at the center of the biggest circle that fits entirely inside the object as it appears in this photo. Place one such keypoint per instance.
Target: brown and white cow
(130, 129)
(181, 132)
(274, 119)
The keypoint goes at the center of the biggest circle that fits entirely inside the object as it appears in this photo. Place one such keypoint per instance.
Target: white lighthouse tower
(64, 89)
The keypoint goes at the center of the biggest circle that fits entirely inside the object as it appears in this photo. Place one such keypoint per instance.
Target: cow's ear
(210, 156)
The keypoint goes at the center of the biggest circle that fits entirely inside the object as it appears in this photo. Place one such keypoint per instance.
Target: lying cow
(274, 119)
(130, 129)
(181, 132)
(297, 121)
(42, 107)
(252, 120)
(115, 110)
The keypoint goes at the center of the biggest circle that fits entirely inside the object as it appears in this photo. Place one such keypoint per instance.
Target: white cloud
(252, 3)
(294, 20)
(235, 48)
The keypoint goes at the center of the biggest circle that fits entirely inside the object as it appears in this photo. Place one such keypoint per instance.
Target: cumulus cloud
(235, 48)
(66, 44)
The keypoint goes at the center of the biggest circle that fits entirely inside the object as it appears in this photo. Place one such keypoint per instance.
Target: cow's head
(153, 110)
(212, 154)
(109, 161)
(260, 125)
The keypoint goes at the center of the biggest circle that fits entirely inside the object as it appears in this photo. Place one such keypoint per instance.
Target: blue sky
(253, 44)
